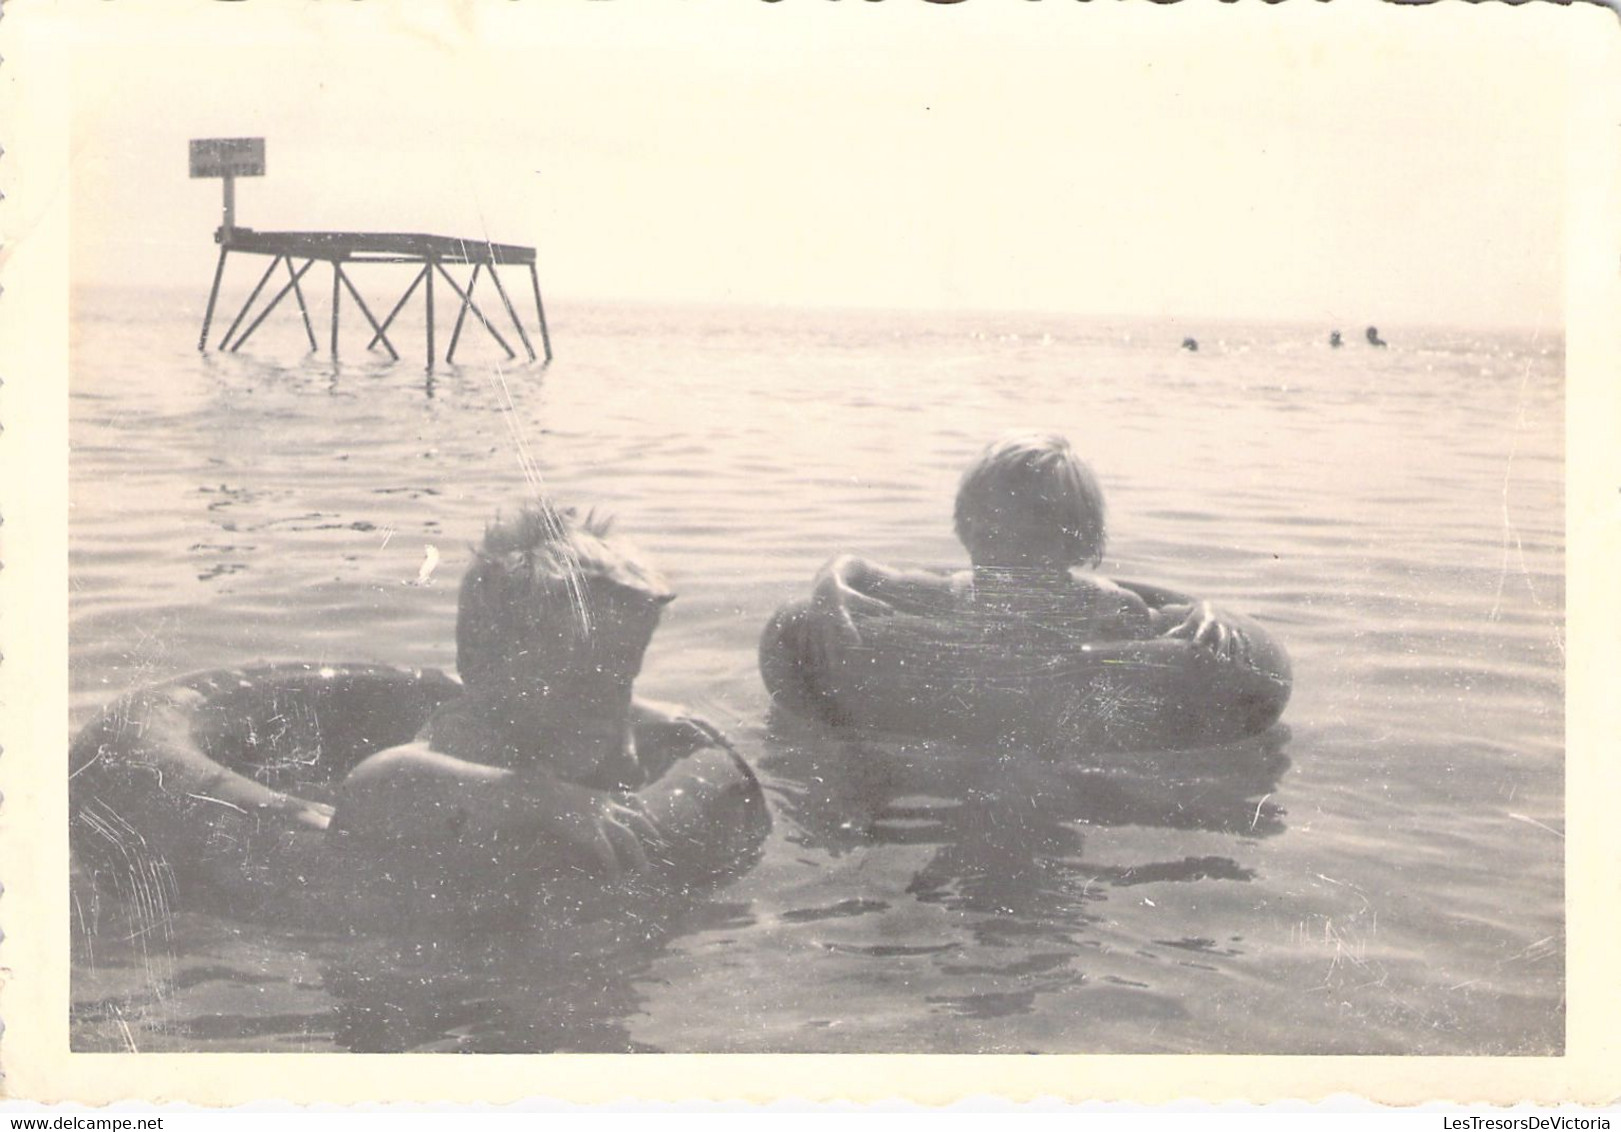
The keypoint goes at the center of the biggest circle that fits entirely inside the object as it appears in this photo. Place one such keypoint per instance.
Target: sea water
(1381, 874)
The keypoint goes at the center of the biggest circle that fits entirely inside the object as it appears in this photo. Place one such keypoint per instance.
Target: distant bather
(1191, 345)
(1374, 339)
(1334, 340)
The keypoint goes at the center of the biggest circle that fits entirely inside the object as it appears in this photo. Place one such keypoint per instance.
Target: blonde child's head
(1029, 501)
(549, 595)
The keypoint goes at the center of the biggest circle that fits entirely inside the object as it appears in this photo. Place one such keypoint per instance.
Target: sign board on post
(227, 157)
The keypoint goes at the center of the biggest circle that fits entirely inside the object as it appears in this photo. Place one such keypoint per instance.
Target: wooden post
(512, 314)
(545, 338)
(461, 315)
(365, 311)
(230, 205)
(252, 295)
(398, 307)
(264, 314)
(302, 308)
(469, 304)
(428, 271)
(337, 278)
(213, 294)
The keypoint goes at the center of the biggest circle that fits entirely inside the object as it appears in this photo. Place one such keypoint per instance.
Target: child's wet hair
(539, 579)
(1039, 475)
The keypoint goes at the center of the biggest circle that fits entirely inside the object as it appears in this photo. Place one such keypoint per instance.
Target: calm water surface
(1382, 875)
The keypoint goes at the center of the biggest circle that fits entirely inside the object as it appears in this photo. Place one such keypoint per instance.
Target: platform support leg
(213, 294)
(395, 313)
(264, 314)
(469, 304)
(427, 272)
(461, 315)
(512, 314)
(365, 311)
(545, 338)
(337, 279)
(303, 308)
(253, 296)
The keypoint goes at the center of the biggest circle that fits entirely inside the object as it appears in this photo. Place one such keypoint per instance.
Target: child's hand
(694, 732)
(672, 730)
(1204, 627)
(612, 833)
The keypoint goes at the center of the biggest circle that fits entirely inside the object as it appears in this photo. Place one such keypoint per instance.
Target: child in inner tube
(552, 622)
(1030, 514)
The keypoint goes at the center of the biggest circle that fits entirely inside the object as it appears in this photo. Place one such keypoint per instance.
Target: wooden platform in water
(230, 158)
(433, 255)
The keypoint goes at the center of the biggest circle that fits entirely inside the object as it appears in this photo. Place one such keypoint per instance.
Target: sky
(1350, 163)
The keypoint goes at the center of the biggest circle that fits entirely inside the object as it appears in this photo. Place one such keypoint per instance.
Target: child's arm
(666, 733)
(1224, 633)
(1115, 612)
(1205, 625)
(412, 799)
(848, 585)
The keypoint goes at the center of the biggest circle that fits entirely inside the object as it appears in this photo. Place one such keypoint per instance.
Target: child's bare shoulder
(1085, 582)
(455, 729)
(1107, 599)
(1104, 588)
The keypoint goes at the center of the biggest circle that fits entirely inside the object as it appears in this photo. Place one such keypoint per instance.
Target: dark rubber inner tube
(211, 792)
(978, 680)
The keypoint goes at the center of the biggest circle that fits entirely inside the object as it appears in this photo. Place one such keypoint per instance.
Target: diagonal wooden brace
(213, 294)
(512, 314)
(468, 303)
(461, 315)
(398, 307)
(248, 305)
(365, 310)
(303, 307)
(264, 314)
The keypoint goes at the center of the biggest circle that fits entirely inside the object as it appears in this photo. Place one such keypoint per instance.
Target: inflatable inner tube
(981, 679)
(214, 792)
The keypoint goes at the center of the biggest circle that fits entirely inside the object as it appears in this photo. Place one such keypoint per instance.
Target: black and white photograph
(887, 528)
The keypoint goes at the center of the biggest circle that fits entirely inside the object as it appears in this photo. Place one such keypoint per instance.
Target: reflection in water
(1007, 860)
(549, 988)
(568, 989)
(1008, 831)
(842, 793)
